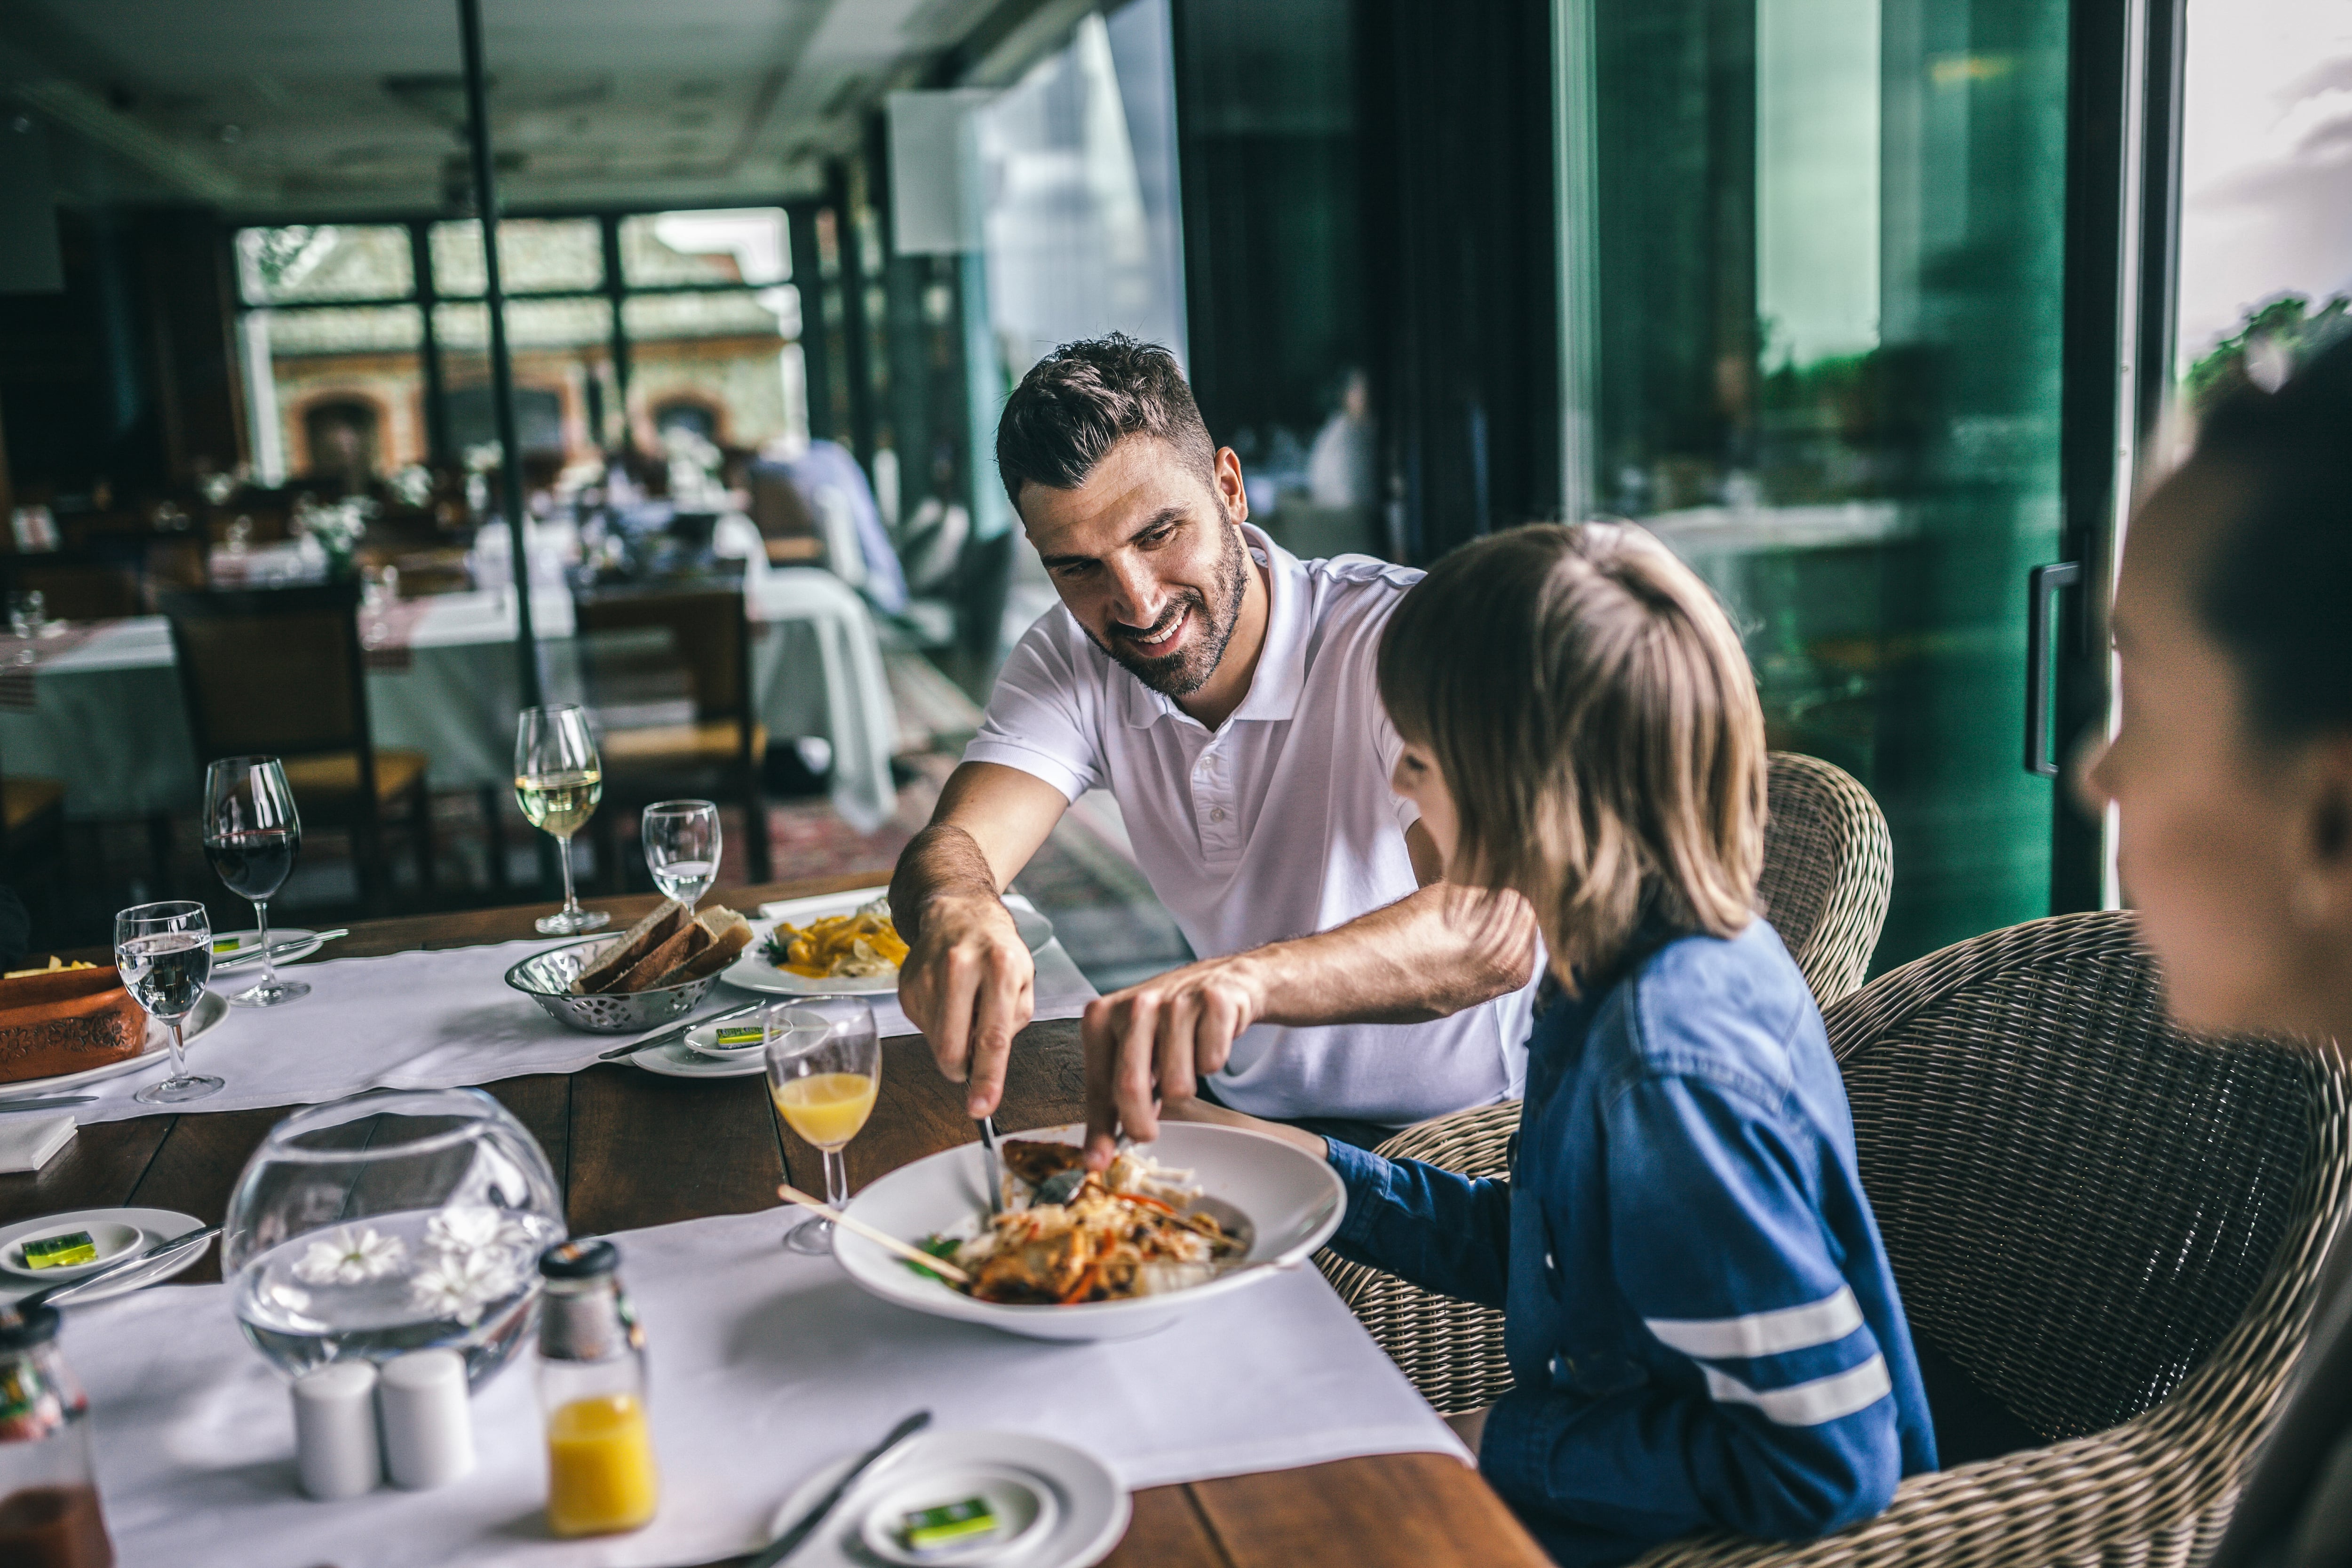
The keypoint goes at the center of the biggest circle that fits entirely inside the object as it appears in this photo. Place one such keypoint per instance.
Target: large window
(367, 345)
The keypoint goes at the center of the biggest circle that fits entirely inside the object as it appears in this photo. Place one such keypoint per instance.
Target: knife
(161, 1252)
(47, 1102)
(678, 1032)
(279, 949)
(784, 1544)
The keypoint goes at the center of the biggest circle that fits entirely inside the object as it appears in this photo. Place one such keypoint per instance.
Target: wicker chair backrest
(1829, 865)
(2080, 1200)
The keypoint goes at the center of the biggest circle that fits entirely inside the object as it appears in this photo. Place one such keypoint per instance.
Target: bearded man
(1224, 691)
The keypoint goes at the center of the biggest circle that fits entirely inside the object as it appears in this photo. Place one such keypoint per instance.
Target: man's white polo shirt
(1278, 824)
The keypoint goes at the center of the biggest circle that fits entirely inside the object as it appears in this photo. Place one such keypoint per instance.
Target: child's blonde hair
(1595, 719)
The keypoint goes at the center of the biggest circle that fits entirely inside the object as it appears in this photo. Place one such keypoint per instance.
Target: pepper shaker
(428, 1429)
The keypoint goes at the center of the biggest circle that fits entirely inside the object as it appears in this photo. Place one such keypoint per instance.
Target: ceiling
(316, 107)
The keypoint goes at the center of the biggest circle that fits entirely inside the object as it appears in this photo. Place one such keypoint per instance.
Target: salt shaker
(334, 1430)
(428, 1429)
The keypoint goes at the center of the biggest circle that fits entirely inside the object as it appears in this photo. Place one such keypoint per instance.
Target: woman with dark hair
(1697, 1308)
(2232, 776)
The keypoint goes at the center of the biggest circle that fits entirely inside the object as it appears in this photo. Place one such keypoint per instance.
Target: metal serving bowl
(546, 978)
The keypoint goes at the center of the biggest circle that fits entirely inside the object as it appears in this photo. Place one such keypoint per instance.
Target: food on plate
(949, 1524)
(62, 1020)
(863, 945)
(667, 947)
(60, 1251)
(1134, 1230)
(53, 967)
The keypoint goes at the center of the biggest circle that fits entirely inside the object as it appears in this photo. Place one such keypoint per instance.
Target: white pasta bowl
(1292, 1200)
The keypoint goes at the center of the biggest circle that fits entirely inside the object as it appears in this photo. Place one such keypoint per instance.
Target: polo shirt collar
(1281, 671)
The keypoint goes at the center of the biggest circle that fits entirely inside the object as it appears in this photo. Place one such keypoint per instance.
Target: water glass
(165, 953)
(28, 612)
(681, 841)
(252, 834)
(825, 1067)
(559, 779)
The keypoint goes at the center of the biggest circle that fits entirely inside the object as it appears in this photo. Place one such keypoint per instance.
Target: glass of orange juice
(824, 1064)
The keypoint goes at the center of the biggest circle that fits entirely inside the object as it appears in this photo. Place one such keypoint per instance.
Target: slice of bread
(625, 952)
(729, 934)
(654, 968)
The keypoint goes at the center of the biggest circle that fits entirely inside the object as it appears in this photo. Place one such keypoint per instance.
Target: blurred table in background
(106, 715)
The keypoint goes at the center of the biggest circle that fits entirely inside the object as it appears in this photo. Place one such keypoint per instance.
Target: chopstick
(882, 1239)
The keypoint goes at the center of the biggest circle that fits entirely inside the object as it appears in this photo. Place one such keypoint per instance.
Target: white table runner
(429, 1020)
(765, 1367)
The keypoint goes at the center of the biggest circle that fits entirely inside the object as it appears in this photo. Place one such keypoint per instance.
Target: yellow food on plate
(859, 946)
(55, 968)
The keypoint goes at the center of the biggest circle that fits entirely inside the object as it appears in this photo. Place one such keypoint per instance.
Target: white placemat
(428, 1020)
(765, 1367)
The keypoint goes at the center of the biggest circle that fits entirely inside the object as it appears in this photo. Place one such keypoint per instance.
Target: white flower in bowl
(476, 1228)
(459, 1285)
(351, 1258)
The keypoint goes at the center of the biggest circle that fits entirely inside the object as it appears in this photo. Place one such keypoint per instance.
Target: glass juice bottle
(48, 1498)
(601, 1474)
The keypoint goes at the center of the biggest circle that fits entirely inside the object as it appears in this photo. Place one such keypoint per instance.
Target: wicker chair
(1828, 868)
(1829, 865)
(2115, 1230)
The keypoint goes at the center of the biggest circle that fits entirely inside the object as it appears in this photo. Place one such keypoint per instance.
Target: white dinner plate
(237, 951)
(156, 1224)
(753, 972)
(211, 1008)
(679, 1059)
(1091, 1506)
(1291, 1201)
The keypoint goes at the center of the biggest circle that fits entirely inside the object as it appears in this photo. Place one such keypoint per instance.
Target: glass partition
(1821, 259)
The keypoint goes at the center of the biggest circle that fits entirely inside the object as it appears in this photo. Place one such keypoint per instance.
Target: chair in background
(278, 672)
(1829, 867)
(633, 643)
(2113, 1231)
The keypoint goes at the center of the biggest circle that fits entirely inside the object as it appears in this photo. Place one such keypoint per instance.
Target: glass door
(1815, 258)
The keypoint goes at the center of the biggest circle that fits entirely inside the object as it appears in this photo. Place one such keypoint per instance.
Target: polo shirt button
(1218, 815)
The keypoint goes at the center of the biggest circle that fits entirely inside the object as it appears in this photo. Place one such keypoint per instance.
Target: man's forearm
(942, 861)
(1426, 957)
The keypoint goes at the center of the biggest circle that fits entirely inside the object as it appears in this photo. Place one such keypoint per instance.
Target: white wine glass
(252, 836)
(558, 782)
(825, 1066)
(165, 953)
(681, 841)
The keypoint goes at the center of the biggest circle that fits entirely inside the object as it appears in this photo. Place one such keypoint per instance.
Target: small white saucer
(1091, 1506)
(1025, 1508)
(679, 1059)
(155, 1225)
(705, 1039)
(112, 1238)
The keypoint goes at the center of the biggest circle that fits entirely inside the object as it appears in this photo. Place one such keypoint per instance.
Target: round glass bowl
(391, 1222)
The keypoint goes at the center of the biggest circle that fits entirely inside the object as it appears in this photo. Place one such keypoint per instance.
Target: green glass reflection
(1824, 260)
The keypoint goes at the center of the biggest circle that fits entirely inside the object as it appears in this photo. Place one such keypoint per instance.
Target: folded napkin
(30, 1142)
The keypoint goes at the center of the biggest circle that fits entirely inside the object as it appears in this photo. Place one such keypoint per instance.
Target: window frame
(426, 296)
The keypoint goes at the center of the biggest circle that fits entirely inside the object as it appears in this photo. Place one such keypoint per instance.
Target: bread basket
(546, 978)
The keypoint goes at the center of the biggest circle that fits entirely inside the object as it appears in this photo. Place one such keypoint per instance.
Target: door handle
(2040, 584)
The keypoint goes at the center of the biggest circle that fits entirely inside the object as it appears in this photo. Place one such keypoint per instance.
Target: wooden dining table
(631, 1149)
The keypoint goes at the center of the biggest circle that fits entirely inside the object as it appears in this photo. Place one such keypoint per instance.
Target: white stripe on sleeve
(1821, 1322)
(1808, 1404)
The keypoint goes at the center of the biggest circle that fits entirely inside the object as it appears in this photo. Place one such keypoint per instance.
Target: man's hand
(1428, 955)
(1150, 1042)
(969, 985)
